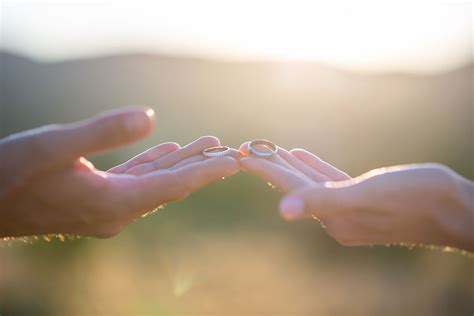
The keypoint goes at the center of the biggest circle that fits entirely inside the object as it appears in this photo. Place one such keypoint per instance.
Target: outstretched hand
(414, 204)
(47, 186)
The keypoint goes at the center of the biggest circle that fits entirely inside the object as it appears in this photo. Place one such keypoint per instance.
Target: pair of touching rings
(257, 148)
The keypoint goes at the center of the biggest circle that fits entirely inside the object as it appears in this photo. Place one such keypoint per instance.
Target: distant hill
(358, 121)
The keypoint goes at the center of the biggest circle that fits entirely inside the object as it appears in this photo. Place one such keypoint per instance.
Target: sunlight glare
(417, 35)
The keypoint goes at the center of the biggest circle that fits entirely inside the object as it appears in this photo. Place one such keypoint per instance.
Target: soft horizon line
(237, 60)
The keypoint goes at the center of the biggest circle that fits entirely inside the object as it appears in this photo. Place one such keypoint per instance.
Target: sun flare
(416, 35)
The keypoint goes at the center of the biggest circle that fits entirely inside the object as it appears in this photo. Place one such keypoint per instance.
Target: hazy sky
(376, 35)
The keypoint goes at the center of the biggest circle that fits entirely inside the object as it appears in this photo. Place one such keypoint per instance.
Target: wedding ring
(270, 148)
(216, 151)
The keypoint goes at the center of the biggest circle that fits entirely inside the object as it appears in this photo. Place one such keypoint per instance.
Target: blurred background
(361, 84)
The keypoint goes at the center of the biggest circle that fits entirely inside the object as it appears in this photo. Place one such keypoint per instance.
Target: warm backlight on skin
(409, 35)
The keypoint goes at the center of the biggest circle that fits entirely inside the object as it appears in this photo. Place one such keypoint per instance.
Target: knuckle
(450, 190)
(442, 173)
(439, 178)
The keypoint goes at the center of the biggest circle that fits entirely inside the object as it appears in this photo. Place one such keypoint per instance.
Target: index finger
(150, 154)
(319, 165)
(164, 186)
(172, 158)
(285, 179)
(244, 150)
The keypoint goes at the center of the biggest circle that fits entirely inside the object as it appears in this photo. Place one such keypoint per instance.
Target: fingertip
(139, 122)
(209, 140)
(108, 130)
(172, 146)
(244, 149)
(157, 152)
(147, 111)
(228, 163)
(254, 165)
(150, 112)
(234, 153)
(306, 156)
(298, 151)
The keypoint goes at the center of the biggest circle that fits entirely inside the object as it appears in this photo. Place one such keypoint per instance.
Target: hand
(48, 187)
(414, 204)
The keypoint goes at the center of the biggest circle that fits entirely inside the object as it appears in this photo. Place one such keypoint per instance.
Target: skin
(411, 204)
(48, 187)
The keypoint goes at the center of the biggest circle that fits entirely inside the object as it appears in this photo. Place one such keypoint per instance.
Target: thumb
(105, 131)
(317, 200)
(26, 153)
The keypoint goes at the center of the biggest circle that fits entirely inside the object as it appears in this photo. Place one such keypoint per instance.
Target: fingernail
(291, 207)
(150, 112)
